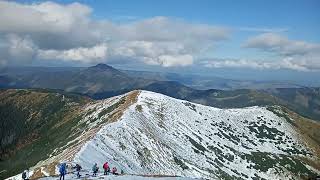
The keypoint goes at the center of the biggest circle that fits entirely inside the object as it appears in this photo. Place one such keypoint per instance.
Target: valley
(103, 81)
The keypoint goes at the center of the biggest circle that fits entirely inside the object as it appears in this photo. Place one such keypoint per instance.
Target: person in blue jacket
(62, 170)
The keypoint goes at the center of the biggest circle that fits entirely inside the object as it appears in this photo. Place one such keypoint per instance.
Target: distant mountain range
(146, 133)
(103, 81)
(203, 82)
(37, 77)
(92, 80)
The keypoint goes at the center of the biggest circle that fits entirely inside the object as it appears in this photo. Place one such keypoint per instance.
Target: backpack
(62, 168)
(24, 175)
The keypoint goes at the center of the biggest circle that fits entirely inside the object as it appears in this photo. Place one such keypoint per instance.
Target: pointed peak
(102, 66)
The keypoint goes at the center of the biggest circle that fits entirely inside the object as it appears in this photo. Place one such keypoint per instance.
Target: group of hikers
(95, 169)
(106, 169)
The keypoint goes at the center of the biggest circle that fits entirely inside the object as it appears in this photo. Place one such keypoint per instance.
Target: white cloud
(166, 29)
(292, 54)
(50, 25)
(292, 63)
(14, 49)
(173, 60)
(234, 63)
(52, 31)
(43, 17)
(153, 53)
(84, 55)
(67, 32)
(281, 45)
(263, 29)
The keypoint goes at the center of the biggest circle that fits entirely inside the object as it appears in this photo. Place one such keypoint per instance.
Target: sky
(255, 37)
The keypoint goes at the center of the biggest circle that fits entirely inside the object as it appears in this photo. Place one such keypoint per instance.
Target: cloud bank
(52, 31)
(281, 45)
(285, 63)
(292, 54)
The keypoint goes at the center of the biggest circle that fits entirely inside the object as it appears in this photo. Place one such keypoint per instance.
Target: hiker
(106, 168)
(25, 174)
(62, 170)
(114, 171)
(78, 169)
(95, 169)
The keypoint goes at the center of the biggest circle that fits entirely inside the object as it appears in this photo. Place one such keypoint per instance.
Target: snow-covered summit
(147, 133)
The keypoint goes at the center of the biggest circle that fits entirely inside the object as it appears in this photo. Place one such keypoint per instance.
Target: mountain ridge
(136, 130)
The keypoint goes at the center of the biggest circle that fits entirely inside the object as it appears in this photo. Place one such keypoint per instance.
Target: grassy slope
(309, 131)
(32, 125)
(305, 101)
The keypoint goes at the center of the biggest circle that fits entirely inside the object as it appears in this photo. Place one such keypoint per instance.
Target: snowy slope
(160, 135)
(122, 177)
(163, 135)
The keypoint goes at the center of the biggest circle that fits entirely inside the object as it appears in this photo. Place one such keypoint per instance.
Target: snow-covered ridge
(159, 135)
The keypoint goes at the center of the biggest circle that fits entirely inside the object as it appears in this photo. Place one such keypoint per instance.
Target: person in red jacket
(106, 168)
(114, 171)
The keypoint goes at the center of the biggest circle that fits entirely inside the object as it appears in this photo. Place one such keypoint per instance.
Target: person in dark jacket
(78, 169)
(25, 174)
(95, 169)
(114, 171)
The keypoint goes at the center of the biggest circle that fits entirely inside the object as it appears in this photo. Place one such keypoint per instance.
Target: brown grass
(309, 131)
(131, 98)
(29, 139)
(37, 174)
(51, 168)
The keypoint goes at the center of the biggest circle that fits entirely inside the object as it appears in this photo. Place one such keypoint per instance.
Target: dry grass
(37, 174)
(309, 132)
(29, 139)
(131, 98)
(71, 115)
(51, 168)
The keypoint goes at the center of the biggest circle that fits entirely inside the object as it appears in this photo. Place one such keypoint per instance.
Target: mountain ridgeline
(103, 81)
(33, 123)
(147, 133)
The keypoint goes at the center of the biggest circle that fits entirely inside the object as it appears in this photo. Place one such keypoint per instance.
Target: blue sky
(167, 35)
(300, 17)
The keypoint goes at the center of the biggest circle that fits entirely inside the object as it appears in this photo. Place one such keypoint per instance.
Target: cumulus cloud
(16, 49)
(154, 53)
(290, 54)
(292, 63)
(52, 31)
(172, 60)
(81, 54)
(271, 42)
(50, 25)
(67, 32)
